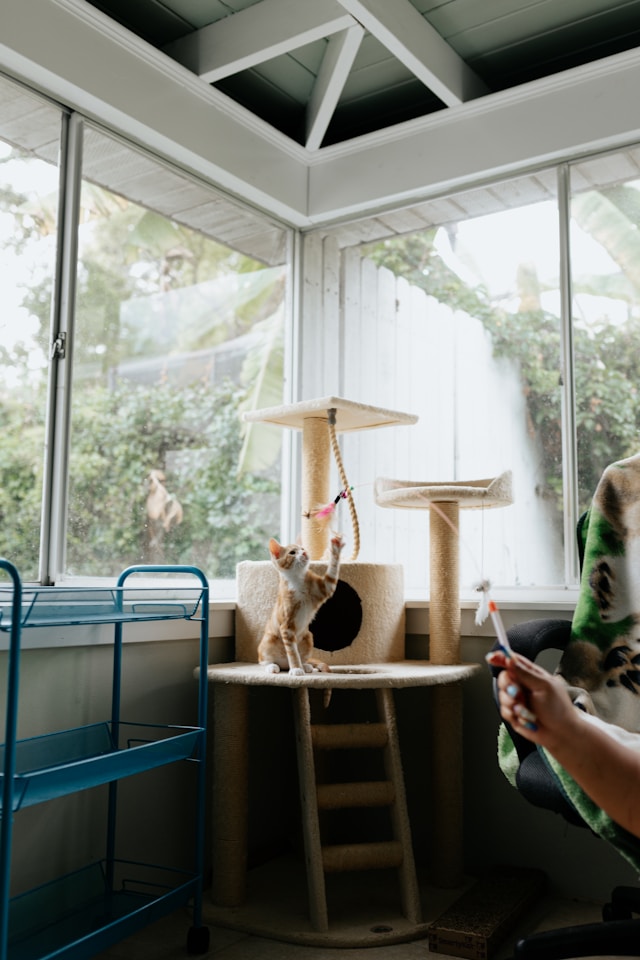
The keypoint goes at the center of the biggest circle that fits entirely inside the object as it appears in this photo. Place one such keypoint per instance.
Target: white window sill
(515, 606)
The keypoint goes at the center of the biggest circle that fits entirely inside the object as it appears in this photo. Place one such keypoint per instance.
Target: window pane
(466, 336)
(29, 147)
(605, 268)
(180, 311)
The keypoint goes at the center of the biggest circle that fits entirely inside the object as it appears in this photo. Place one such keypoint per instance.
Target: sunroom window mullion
(56, 473)
(567, 381)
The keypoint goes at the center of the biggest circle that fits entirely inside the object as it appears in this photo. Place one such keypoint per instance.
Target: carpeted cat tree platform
(360, 634)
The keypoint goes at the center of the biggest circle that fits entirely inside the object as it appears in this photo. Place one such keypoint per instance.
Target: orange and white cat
(287, 641)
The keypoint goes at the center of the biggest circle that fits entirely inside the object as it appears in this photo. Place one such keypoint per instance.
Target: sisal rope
(316, 454)
(444, 603)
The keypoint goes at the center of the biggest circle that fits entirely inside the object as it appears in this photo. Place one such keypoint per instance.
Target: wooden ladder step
(365, 793)
(344, 736)
(362, 856)
(396, 853)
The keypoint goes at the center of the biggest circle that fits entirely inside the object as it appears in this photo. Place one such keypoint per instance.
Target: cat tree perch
(315, 418)
(447, 499)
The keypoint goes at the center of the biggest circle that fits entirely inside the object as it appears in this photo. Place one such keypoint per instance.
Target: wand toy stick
(498, 625)
(526, 716)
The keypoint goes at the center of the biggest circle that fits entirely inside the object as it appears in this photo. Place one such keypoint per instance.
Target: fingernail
(513, 690)
(524, 713)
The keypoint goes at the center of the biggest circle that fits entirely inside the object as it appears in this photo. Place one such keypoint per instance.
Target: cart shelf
(93, 908)
(70, 606)
(81, 914)
(57, 764)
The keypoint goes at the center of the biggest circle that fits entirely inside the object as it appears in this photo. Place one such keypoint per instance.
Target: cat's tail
(318, 665)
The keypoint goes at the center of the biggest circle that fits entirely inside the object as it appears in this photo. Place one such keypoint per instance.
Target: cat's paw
(296, 672)
(308, 668)
(271, 668)
(337, 540)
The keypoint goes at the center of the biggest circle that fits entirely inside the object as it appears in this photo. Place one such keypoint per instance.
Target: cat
(287, 641)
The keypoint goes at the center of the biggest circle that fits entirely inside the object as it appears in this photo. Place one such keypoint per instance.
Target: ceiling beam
(256, 34)
(335, 68)
(409, 37)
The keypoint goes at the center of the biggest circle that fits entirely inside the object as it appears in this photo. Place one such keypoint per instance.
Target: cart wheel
(198, 940)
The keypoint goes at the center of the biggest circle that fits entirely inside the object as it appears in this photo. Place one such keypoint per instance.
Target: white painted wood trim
(337, 62)
(410, 38)
(256, 34)
(102, 70)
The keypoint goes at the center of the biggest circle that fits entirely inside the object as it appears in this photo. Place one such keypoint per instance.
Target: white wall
(374, 338)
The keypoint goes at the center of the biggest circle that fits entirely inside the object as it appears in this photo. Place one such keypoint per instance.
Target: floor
(166, 940)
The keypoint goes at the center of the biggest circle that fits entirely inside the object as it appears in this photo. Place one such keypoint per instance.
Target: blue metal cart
(84, 912)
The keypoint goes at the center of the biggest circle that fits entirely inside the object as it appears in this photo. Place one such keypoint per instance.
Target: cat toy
(527, 718)
(327, 511)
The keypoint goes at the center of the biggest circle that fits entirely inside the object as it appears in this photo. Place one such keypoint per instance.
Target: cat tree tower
(373, 657)
(444, 500)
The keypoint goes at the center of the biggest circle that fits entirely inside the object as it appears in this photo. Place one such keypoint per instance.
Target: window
(28, 234)
(605, 281)
(143, 311)
(506, 317)
(170, 311)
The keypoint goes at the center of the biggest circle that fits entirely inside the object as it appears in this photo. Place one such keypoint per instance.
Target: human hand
(534, 702)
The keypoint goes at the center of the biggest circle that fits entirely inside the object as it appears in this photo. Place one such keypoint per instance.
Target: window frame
(60, 378)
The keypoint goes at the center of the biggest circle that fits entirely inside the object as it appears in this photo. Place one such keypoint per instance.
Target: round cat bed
(364, 621)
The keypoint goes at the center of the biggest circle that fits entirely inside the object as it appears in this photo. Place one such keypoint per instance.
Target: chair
(619, 934)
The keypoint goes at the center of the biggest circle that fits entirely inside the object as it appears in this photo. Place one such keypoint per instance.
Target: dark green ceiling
(503, 43)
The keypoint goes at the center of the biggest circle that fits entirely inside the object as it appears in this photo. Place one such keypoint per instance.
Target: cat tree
(373, 658)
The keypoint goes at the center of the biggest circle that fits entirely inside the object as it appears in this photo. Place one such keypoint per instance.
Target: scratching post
(316, 461)
(444, 501)
(230, 806)
(446, 775)
(444, 565)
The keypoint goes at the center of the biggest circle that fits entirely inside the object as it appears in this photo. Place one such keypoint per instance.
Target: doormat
(475, 925)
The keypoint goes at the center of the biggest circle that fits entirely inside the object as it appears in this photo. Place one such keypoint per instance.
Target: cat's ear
(274, 548)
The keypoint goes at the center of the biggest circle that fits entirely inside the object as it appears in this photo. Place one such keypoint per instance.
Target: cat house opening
(338, 621)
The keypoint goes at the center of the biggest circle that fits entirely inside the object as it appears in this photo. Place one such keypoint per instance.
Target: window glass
(29, 147)
(605, 269)
(180, 318)
(468, 338)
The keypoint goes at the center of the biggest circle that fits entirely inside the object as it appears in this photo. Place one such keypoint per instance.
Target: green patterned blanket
(601, 663)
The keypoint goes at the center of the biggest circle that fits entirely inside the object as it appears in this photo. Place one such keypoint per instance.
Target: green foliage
(130, 260)
(607, 409)
(192, 435)
(21, 454)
